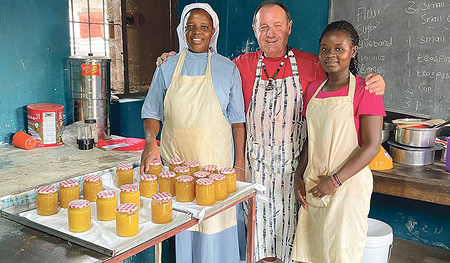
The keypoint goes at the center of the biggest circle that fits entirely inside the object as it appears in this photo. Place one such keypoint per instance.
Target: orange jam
(47, 201)
(230, 177)
(127, 220)
(129, 193)
(68, 191)
(194, 166)
(199, 175)
(106, 205)
(91, 186)
(204, 192)
(175, 162)
(181, 170)
(148, 185)
(220, 186)
(185, 188)
(79, 215)
(162, 208)
(155, 167)
(167, 182)
(211, 168)
(124, 174)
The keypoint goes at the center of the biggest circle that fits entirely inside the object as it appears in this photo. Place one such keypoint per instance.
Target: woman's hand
(324, 187)
(375, 83)
(150, 152)
(300, 192)
(160, 60)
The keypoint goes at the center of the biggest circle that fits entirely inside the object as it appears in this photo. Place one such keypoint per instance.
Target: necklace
(270, 85)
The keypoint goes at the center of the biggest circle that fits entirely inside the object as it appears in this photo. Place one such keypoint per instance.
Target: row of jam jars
(184, 187)
(68, 191)
(148, 185)
(124, 173)
(161, 208)
(155, 167)
(167, 182)
(106, 205)
(91, 186)
(230, 177)
(47, 200)
(79, 214)
(175, 162)
(127, 220)
(129, 193)
(194, 166)
(210, 168)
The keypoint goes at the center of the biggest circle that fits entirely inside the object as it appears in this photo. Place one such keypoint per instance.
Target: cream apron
(334, 228)
(275, 134)
(195, 129)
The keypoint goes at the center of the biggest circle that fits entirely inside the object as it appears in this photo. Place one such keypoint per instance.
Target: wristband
(242, 169)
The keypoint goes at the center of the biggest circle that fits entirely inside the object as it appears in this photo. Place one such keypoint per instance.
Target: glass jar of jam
(167, 182)
(129, 193)
(204, 192)
(175, 162)
(162, 208)
(47, 200)
(194, 166)
(148, 185)
(124, 172)
(68, 191)
(210, 168)
(106, 205)
(198, 175)
(155, 167)
(230, 177)
(184, 187)
(79, 213)
(220, 186)
(127, 220)
(91, 186)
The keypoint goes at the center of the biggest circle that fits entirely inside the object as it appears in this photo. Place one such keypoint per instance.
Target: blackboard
(408, 43)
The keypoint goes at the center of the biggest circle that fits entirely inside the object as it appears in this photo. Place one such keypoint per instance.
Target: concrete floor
(405, 251)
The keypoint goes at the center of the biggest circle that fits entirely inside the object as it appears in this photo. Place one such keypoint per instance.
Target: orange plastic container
(24, 140)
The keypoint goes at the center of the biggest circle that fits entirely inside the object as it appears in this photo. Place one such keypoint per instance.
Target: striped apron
(275, 135)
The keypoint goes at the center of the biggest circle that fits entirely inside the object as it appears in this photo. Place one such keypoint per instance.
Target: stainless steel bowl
(415, 137)
(412, 155)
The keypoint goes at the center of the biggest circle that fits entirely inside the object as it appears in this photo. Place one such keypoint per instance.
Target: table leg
(251, 230)
(158, 252)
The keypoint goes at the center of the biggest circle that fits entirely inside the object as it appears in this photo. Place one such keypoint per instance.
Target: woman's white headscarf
(180, 28)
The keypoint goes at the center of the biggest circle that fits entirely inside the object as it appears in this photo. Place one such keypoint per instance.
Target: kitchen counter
(429, 183)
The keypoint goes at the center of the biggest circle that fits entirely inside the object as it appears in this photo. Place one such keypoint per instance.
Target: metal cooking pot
(386, 132)
(412, 155)
(415, 137)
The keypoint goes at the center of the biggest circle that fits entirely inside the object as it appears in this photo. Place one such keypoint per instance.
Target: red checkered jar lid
(148, 177)
(185, 178)
(201, 174)
(92, 178)
(124, 166)
(78, 203)
(217, 177)
(204, 181)
(227, 170)
(106, 194)
(68, 183)
(127, 208)
(181, 169)
(155, 162)
(210, 168)
(176, 161)
(47, 189)
(167, 174)
(129, 188)
(192, 164)
(163, 196)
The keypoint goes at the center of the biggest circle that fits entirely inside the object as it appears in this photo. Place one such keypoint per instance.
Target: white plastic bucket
(379, 242)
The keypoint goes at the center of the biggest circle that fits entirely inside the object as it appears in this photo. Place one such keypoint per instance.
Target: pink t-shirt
(364, 103)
